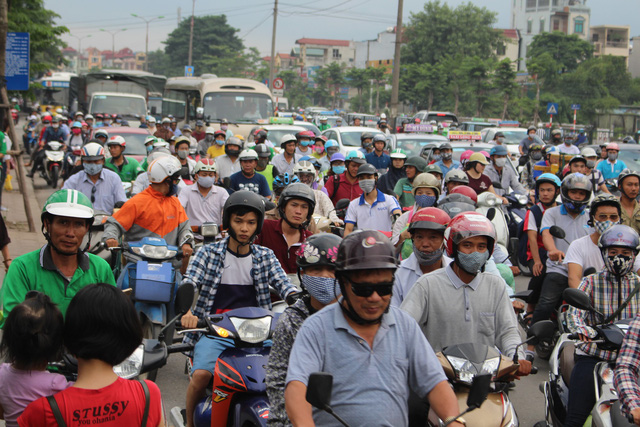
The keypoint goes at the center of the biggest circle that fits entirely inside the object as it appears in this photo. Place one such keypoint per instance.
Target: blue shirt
(537, 173)
(104, 194)
(380, 162)
(257, 183)
(611, 170)
(372, 217)
(370, 385)
(445, 169)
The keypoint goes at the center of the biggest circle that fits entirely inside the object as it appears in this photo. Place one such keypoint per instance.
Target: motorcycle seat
(567, 361)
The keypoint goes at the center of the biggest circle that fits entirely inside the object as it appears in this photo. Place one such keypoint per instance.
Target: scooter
(238, 395)
(204, 234)
(490, 206)
(71, 160)
(52, 163)
(606, 411)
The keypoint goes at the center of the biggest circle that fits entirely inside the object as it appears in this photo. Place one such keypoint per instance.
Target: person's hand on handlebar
(636, 416)
(524, 369)
(189, 321)
(187, 250)
(556, 255)
(112, 243)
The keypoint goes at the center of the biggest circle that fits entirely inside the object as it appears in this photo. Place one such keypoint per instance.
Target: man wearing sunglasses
(461, 303)
(362, 340)
(154, 212)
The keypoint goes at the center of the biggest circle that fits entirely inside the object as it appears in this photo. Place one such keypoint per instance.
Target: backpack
(523, 238)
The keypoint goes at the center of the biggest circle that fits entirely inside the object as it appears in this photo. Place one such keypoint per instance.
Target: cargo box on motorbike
(153, 282)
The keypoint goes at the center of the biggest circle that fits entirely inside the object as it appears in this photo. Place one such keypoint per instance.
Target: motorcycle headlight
(252, 331)
(209, 229)
(490, 366)
(465, 371)
(156, 252)
(522, 199)
(130, 368)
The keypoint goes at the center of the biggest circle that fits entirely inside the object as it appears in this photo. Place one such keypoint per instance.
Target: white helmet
(151, 120)
(92, 151)
(304, 166)
(117, 140)
(160, 143)
(162, 168)
(158, 153)
(210, 131)
(101, 132)
(248, 155)
(588, 152)
(207, 165)
(88, 117)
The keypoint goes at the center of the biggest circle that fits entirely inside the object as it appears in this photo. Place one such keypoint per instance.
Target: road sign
(278, 83)
(16, 67)
(188, 70)
(277, 92)
(575, 106)
(552, 108)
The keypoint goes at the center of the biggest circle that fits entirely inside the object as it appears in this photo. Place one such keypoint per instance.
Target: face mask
(92, 168)
(305, 142)
(183, 154)
(149, 148)
(619, 264)
(536, 156)
(473, 262)
(173, 189)
(612, 156)
(55, 126)
(447, 156)
(500, 140)
(76, 131)
(318, 149)
(205, 181)
(209, 138)
(233, 153)
(224, 127)
(531, 135)
(591, 164)
(436, 157)
(338, 170)
(220, 141)
(602, 226)
(425, 201)
(427, 258)
(367, 146)
(367, 185)
(500, 162)
(324, 289)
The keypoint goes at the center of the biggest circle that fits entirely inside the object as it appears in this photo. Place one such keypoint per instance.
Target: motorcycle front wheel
(55, 172)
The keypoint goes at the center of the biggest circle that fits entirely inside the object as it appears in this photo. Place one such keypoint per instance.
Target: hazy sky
(333, 19)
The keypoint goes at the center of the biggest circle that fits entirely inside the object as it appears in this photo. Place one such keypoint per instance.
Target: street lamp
(113, 41)
(79, 50)
(146, 43)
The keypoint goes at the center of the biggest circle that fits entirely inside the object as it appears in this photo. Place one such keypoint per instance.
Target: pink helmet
(465, 156)
(613, 146)
(484, 153)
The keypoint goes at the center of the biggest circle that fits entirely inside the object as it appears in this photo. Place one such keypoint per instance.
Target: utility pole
(272, 65)
(193, 8)
(146, 42)
(79, 50)
(395, 79)
(113, 42)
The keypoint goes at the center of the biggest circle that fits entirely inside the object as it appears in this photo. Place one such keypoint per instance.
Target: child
(32, 337)
(101, 330)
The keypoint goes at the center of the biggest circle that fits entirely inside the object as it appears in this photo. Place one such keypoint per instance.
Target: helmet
(88, 117)
(160, 143)
(233, 140)
(158, 153)
(151, 120)
(456, 175)
(166, 120)
(318, 250)
(355, 156)
(92, 151)
(498, 135)
(624, 174)
(550, 149)
(331, 143)
(628, 140)
(556, 132)
(149, 139)
(218, 132)
(204, 164)
(70, 203)
(366, 135)
(446, 146)
(248, 155)
(284, 179)
(101, 132)
(304, 167)
(604, 199)
(485, 154)
(299, 191)
(535, 147)
(211, 131)
(433, 169)
(378, 137)
(398, 153)
(621, 236)
(479, 158)
(260, 134)
(417, 162)
(367, 169)
(548, 177)
(76, 125)
(322, 138)
(182, 140)
(588, 152)
(424, 180)
(365, 250)
(162, 168)
(243, 199)
(117, 140)
(575, 181)
(612, 146)
(337, 157)
(305, 134)
(466, 191)
(577, 158)
(469, 224)
(262, 150)
(465, 156)
(429, 219)
(530, 128)
(453, 204)
(287, 138)
(500, 150)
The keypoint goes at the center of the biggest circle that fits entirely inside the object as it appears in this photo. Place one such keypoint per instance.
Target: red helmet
(429, 219)
(305, 134)
(465, 225)
(322, 138)
(467, 191)
(220, 132)
(416, 120)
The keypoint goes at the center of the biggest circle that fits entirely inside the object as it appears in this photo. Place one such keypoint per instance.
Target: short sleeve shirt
(572, 149)
(257, 183)
(372, 217)
(480, 185)
(574, 228)
(586, 254)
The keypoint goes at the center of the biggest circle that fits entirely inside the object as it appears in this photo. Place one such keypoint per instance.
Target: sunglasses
(365, 290)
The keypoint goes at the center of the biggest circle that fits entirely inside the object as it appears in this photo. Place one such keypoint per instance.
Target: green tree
(358, 79)
(477, 72)
(541, 68)
(504, 81)
(295, 88)
(567, 51)
(159, 62)
(379, 77)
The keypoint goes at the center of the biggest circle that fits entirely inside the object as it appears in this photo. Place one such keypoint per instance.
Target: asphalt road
(173, 382)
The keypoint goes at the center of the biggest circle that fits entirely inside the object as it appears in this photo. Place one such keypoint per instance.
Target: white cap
(383, 116)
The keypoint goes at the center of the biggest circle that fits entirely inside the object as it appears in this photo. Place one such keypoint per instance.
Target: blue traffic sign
(575, 106)
(16, 67)
(552, 108)
(188, 70)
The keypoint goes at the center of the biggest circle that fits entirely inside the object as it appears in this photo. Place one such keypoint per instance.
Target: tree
(358, 79)
(504, 81)
(540, 68)
(567, 51)
(379, 77)
(476, 71)
(295, 89)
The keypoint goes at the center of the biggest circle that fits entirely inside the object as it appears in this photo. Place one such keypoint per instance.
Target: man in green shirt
(404, 188)
(60, 268)
(127, 168)
(323, 124)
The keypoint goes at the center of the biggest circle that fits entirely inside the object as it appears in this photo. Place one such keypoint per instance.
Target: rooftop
(323, 42)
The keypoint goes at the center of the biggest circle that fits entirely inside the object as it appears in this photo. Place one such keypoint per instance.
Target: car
(134, 138)
(475, 126)
(366, 120)
(275, 132)
(308, 126)
(412, 143)
(512, 138)
(629, 154)
(348, 137)
(439, 116)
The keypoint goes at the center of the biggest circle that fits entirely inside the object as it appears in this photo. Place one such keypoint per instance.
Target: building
(634, 57)
(509, 47)
(94, 58)
(377, 51)
(323, 52)
(284, 61)
(611, 40)
(532, 17)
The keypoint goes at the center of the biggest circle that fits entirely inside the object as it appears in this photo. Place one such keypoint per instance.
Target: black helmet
(300, 191)
(262, 150)
(577, 158)
(243, 199)
(365, 250)
(366, 135)
(605, 199)
(575, 181)
(417, 162)
(367, 169)
(319, 250)
(530, 128)
(261, 134)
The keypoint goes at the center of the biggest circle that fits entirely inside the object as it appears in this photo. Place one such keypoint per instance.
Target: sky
(332, 19)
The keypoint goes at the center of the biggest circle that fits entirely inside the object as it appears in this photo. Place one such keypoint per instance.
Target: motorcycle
(204, 234)
(606, 411)
(490, 205)
(71, 160)
(52, 163)
(238, 396)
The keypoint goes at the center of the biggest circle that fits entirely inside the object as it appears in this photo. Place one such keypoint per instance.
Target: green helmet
(398, 153)
(70, 203)
(433, 169)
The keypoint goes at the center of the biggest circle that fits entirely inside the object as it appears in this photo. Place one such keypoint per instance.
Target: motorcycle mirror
(269, 205)
(319, 389)
(184, 298)
(342, 204)
(479, 391)
(589, 271)
(522, 161)
(524, 295)
(497, 185)
(540, 331)
(557, 232)
(577, 299)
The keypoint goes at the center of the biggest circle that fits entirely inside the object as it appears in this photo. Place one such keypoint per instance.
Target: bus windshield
(237, 107)
(113, 104)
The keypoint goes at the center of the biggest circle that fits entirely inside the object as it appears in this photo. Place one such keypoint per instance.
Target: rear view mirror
(589, 271)
(541, 330)
(497, 185)
(577, 298)
(557, 232)
(184, 298)
(319, 389)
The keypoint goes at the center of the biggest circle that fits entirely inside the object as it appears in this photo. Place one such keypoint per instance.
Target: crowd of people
(406, 268)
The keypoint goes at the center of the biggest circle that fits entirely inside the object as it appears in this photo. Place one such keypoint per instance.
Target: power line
(262, 21)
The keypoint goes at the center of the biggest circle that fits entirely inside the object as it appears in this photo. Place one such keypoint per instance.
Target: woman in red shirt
(474, 169)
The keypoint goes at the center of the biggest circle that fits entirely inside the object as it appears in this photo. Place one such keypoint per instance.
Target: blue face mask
(305, 142)
(338, 169)
(425, 201)
(324, 289)
(220, 141)
(92, 168)
(173, 189)
(149, 148)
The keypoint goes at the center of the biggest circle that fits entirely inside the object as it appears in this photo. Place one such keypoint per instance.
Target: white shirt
(372, 217)
(572, 149)
(226, 167)
(586, 254)
(201, 209)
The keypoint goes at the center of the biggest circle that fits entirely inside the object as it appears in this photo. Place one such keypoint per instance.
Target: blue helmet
(331, 143)
(282, 180)
(548, 177)
(499, 150)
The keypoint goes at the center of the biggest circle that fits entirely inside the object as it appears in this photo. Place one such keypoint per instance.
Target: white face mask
(500, 162)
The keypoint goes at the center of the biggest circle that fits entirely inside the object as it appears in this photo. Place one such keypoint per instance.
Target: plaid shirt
(602, 289)
(625, 379)
(205, 273)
